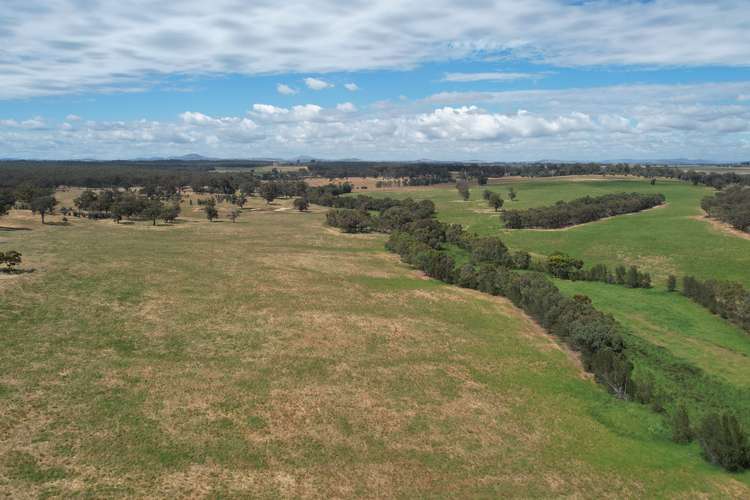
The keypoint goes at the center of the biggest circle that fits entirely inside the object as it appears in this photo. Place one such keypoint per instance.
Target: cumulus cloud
(346, 107)
(473, 124)
(317, 84)
(637, 121)
(496, 76)
(285, 89)
(64, 46)
(351, 87)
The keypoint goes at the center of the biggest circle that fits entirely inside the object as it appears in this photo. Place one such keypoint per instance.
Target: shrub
(723, 442)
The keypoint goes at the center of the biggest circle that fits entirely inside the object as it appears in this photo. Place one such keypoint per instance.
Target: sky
(503, 80)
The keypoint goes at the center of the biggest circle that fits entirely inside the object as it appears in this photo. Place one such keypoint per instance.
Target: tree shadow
(17, 271)
(3, 228)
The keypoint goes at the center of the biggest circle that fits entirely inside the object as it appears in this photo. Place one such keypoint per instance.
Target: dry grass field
(277, 357)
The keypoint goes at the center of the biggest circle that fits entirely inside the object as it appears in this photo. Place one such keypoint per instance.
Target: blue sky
(487, 80)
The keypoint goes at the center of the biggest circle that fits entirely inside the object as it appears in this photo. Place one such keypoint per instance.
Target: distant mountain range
(308, 159)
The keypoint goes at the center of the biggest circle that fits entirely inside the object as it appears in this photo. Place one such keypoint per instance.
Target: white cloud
(496, 76)
(351, 87)
(73, 118)
(285, 89)
(317, 84)
(269, 110)
(633, 121)
(62, 46)
(346, 107)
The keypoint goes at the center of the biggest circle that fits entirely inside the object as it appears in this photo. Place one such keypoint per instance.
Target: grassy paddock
(663, 240)
(275, 356)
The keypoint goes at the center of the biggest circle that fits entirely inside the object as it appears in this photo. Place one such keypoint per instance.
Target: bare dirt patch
(721, 226)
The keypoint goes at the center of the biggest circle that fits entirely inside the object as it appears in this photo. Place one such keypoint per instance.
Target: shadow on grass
(3, 228)
(17, 271)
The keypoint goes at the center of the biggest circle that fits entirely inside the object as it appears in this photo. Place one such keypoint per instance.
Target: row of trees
(731, 205)
(581, 210)
(727, 299)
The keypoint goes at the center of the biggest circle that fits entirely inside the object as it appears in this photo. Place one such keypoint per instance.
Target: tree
(496, 201)
(153, 210)
(301, 204)
(7, 200)
(512, 194)
(233, 214)
(10, 259)
(170, 212)
(43, 205)
(211, 212)
(632, 278)
(653, 182)
(482, 180)
(269, 191)
(671, 283)
(681, 431)
(463, 190)
(486, 194)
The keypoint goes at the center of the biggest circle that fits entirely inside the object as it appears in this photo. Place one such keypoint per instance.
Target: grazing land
(672, 239)
(277, 357)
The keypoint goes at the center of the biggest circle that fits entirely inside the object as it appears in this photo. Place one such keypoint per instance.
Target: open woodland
(277, 356)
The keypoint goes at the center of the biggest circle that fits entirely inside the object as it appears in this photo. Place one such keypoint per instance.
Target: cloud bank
(64, 46)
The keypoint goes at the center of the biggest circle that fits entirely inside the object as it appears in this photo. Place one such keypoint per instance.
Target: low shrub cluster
(581, 210)
(729, 300)
(9, 260)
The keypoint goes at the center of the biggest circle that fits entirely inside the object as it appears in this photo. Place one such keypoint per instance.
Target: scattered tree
(671, 283)
(43, 205)
(170, 212)
(463, 190)
(233, 214)
(153, 210)
(512, 194)
(211, 213)
(496, 201)
(301, 204)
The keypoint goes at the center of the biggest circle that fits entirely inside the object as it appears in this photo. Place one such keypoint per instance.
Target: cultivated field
(275, 356)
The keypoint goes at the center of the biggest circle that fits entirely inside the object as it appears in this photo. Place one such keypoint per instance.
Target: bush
(723, 442)
(10, 259)
(681, 431)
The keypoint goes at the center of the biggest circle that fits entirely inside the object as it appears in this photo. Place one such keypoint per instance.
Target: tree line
(731, 205)
(580, 211)
(607, 351)
(729, 300)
